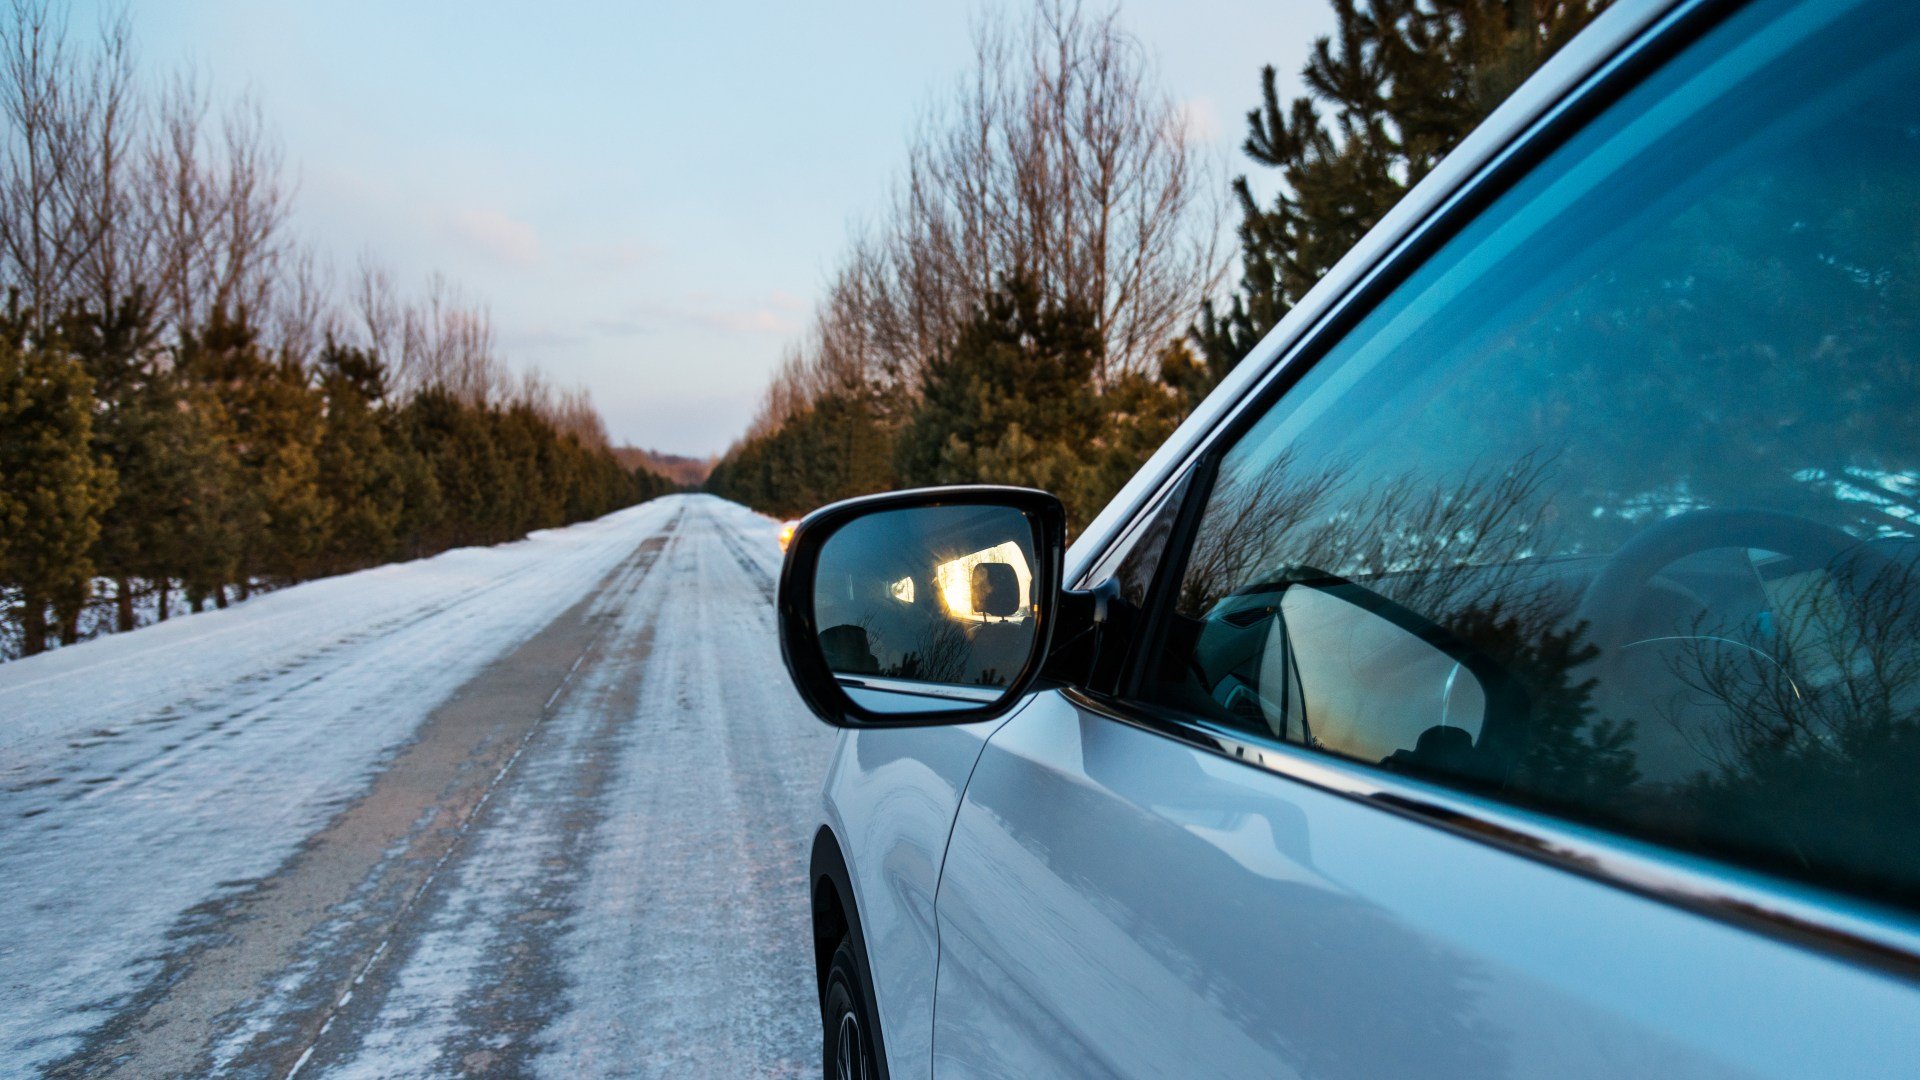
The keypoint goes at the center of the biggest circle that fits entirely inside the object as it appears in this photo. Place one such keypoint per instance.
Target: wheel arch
(836, 915)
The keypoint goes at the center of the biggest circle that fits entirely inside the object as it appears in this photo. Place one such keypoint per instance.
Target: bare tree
(569, 412)
(253, 201)
(217, 211)
(180, 201)
(377, 307)
(46, 229)
(1057, 158)
(118, 262)
(301, 304)
(447, 342)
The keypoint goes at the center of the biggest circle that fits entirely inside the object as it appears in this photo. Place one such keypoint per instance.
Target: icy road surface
(539, 809)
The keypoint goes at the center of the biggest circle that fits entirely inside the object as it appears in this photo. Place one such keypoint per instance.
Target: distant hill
(685, 471)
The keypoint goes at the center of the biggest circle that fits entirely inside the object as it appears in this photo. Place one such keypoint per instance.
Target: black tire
(846, 1040)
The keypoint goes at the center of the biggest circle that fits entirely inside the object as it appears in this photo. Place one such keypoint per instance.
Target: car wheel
(847, 1041)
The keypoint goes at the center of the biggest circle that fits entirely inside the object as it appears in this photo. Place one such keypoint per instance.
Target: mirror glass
(929, 608)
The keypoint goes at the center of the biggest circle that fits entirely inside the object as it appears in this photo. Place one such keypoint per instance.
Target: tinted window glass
(1611, 508)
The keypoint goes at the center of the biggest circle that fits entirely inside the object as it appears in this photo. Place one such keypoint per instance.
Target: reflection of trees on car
(1773, 731)
(1459, 555)
(1812, 743)
(939, 652)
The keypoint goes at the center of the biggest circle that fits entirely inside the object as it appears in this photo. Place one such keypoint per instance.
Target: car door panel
(1118, 903)
(893, 799)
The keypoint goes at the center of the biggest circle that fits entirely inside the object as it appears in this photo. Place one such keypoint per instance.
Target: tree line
(1039, 303)
(191, 408)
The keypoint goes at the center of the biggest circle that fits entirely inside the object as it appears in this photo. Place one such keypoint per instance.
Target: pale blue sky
(648, 194)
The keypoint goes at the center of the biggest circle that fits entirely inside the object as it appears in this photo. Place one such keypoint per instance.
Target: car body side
(892, 796)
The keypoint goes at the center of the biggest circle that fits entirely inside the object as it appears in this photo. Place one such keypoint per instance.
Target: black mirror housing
(929, 606)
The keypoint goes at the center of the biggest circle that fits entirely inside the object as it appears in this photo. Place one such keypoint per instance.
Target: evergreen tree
(533, 482)
(361, 476)
(1011, 401)
(1404, 81)
(53, 489)
(1137, 414)
(273, 424)
(423, 509)
(458, 449)
(114, 347)
(189, 480)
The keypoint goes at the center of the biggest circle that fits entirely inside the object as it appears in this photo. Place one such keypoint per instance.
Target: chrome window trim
(1800, 915)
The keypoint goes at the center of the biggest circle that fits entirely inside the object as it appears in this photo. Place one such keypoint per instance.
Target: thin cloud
(1199, 119)
(542, 338)
(754, 321)
(619, 255)
(620, 328)
(778, 317)
(494, 233)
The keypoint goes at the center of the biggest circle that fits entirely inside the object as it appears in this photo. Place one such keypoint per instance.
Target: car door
(1526, 682)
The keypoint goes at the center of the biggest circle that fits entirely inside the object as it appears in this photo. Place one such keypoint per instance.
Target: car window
(1610, 508)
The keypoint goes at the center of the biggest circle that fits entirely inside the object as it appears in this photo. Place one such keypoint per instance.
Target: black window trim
(1852, 929)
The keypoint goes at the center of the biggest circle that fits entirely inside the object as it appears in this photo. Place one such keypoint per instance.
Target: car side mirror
(933, 606)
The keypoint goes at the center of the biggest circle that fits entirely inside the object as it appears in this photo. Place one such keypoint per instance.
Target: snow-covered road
(538, 809)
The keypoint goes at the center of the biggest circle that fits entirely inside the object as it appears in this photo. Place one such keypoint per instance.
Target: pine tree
(1011, 401)
(53, 489)
(1405, 81)
(114, 346)
(188, 481)
(273, 421)
(1137, 414)
(457, 446)
(362, 479)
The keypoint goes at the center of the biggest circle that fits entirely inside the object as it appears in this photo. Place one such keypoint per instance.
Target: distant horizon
(648, 200)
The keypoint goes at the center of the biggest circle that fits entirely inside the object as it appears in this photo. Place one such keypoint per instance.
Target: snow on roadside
(44, 699)
(147, 777)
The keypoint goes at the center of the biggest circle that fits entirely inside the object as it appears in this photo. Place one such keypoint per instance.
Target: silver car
(1512, 669)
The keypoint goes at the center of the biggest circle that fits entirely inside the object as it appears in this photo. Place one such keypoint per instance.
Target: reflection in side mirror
(919, 607)
(996, 590)
(929, 594)
(848, 650)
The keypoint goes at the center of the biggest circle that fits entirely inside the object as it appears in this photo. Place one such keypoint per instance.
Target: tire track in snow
(752, 566)
(633, 900)
(314, 928)
(691, 954)
(105, 897)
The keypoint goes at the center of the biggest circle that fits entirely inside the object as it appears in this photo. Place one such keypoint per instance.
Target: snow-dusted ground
(624, 897)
